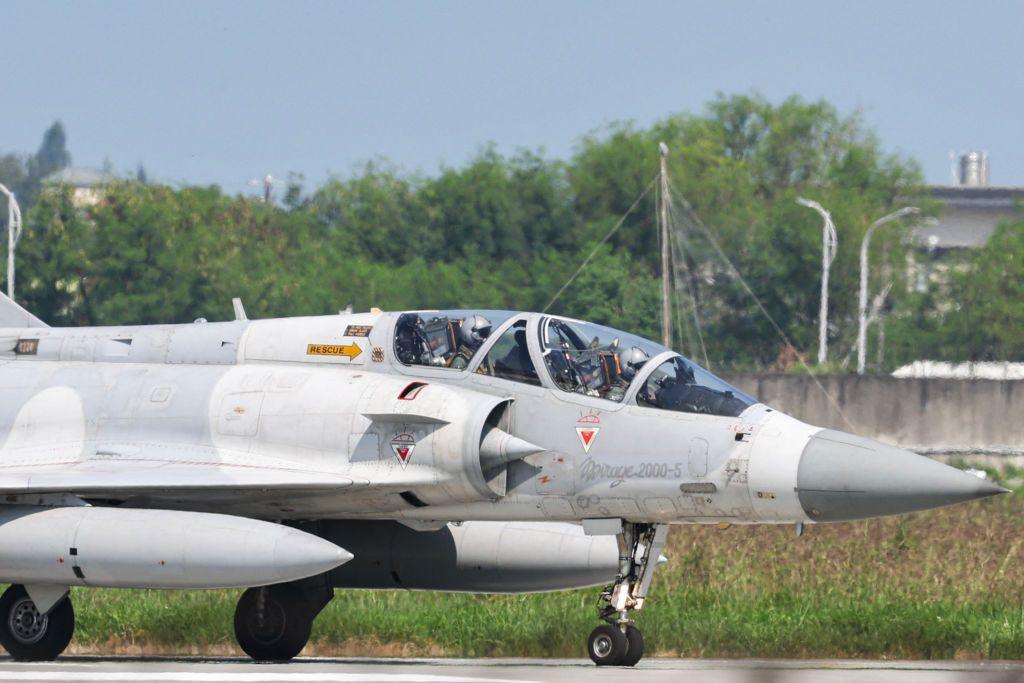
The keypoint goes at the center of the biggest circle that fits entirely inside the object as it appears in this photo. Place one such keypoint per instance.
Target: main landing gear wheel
(607, 645)
(618, 642)
(29, 635)
(635, 651)
(273, 623)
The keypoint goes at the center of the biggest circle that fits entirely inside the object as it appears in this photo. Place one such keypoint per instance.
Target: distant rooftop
(967, 370)
(80, 176)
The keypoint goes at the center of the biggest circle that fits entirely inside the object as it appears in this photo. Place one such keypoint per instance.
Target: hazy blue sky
(227, 91)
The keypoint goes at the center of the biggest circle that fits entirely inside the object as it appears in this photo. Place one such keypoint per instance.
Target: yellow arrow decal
(350, 351)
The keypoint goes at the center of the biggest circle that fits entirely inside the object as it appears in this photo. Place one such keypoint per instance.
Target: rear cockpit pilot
(440, 341)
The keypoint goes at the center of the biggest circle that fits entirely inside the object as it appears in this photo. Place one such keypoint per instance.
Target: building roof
(1001, 370)
(80, 176)
(996, 195)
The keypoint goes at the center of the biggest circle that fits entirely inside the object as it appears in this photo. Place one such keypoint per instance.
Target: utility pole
(862, 326)
(829, 241)
(267, 182)
(268, 187)
(13, 235)
(666, 285)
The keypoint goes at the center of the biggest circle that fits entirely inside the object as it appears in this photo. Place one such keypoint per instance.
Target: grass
(937, 585)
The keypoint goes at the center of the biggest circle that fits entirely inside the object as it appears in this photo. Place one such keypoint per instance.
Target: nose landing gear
(618, 642)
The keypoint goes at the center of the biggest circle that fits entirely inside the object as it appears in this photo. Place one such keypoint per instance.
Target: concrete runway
(324, 670)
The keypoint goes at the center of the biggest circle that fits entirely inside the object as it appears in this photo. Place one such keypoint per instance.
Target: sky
(224, 92)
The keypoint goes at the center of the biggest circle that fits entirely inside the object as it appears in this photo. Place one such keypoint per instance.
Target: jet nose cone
(843, 477)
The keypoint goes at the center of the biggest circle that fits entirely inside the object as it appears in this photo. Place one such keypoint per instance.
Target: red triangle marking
(587, 436)
(403, 449)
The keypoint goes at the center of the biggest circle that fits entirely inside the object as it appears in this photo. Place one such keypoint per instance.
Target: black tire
(30, 636)
(635, 649)
(283, 628)
(607, 645)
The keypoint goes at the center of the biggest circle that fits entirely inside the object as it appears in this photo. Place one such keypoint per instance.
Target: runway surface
(315, 670)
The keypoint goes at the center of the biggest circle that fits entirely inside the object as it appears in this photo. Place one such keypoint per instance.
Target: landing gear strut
(30, 635)
(273, 623)
(618, 642)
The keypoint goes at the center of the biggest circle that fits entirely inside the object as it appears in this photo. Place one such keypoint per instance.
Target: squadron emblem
(588, 432)
(587, 436)
(402, 446)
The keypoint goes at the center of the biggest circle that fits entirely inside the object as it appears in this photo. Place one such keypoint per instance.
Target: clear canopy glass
(580, 357)
(599, 361)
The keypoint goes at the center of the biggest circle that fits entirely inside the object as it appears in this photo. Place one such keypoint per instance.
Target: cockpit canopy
(579, 357)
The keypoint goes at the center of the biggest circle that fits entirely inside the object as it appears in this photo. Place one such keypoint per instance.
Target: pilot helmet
(475, 329)
(630, 362)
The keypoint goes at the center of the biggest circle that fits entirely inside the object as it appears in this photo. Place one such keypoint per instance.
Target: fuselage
(331, 396)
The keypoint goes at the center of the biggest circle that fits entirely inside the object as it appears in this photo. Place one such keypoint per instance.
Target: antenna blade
(236, 303)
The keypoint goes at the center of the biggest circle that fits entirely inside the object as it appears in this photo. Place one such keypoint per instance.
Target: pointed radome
(845, 477)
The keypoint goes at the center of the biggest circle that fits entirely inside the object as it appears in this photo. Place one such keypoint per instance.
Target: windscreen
(681, 385)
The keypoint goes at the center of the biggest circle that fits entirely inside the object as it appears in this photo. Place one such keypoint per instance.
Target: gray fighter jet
(481, 451)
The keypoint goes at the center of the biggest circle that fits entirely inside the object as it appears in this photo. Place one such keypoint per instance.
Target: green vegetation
(506, 232)
(943, 584)
(24, 175)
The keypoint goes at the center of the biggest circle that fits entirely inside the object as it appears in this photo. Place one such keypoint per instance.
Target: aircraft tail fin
(13, 315)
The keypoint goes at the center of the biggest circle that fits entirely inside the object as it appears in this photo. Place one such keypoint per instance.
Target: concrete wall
(937, 416)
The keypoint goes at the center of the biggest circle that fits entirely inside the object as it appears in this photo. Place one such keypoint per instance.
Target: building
(86, 184)
(968, 215)
(971, 209)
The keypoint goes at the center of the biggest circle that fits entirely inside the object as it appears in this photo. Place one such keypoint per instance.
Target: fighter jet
(481, 451)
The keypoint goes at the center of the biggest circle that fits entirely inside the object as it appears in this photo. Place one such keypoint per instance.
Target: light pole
(268, 182)
(862, 329)
(829, 240)
(13, 235)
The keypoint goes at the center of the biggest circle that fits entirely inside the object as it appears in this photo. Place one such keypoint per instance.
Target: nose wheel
(618, 642)
(30, 635)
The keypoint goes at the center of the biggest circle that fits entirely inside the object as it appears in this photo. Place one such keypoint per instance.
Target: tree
(978, 315)
(24, 175)
(508, 232)
(52, 154)
(740, 167)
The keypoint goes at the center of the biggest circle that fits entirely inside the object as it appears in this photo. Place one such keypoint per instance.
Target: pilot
(630, 362)
(474, 332)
